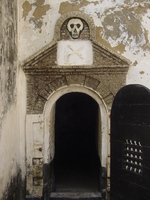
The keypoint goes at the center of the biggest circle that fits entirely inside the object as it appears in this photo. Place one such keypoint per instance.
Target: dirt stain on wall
(74, 6)
(100, 39)
(27, 7)
(123, 26)
(39, 11)
(126, 28)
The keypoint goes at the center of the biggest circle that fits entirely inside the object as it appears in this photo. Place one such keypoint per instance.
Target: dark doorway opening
(77, 164)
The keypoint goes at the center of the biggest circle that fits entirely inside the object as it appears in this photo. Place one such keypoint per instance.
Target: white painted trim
(49, 121)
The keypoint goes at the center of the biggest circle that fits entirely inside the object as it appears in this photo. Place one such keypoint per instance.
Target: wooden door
(130, 144)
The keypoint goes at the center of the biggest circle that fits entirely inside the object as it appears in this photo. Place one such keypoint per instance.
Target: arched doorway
(130, 144)
(77, 165)
(49, 133)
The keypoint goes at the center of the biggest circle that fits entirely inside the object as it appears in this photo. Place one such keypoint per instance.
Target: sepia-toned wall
(27, 27)
(9, 129)
(121, 25)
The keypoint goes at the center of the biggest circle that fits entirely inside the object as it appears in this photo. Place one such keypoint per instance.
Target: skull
(75, 27)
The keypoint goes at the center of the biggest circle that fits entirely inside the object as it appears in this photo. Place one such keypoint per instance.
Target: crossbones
(75, 51)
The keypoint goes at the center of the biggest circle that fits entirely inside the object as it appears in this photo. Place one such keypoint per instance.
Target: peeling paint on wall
(120, 25)
(124, 26)
(121, 22)
(39, 11)
(71, 6)
(27, 7)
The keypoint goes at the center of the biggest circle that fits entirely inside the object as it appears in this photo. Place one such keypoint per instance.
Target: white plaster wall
(22, 119)
(31, 38)
(9, 126)
(134, 37)
(12, 139)
(9, 149)
(137, 51)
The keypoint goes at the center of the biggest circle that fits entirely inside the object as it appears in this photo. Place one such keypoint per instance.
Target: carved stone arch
(49, 121)
(45, 88)
(107, 95)
(83, 80)
(101, 88)
(75, 79)
(74, 14)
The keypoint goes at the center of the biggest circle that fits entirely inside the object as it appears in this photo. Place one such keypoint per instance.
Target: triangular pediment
(47, 59)
(104, 57)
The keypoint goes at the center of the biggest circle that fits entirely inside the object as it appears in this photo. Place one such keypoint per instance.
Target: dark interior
(77, 163)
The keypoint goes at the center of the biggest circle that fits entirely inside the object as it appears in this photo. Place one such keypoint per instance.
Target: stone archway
(67, 65)
(49, 133)
(49, 112)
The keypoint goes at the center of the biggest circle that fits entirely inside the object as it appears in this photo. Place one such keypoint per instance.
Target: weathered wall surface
(121, 25)
(9, 135)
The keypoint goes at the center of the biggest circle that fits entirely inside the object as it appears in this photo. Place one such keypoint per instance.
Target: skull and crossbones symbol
(75, 27)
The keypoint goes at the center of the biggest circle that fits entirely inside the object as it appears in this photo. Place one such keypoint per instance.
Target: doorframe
(49, 125)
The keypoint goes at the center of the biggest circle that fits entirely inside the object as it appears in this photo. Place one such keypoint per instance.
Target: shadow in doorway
(76, 164)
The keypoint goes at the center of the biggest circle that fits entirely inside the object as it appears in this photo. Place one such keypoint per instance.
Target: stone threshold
(76, 195)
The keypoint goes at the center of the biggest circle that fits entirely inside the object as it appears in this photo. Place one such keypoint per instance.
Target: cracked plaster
(121, 25)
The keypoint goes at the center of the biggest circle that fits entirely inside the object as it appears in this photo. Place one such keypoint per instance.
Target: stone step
(75, 196)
